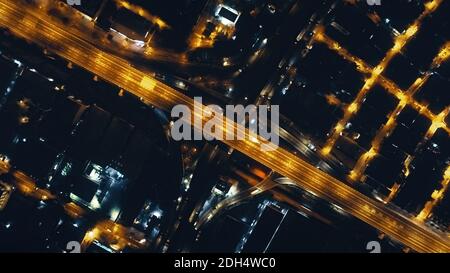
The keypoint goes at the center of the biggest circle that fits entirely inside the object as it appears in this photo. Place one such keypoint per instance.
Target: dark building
(7, 70)
(88, 132)
(434, 93)
(57, 125)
